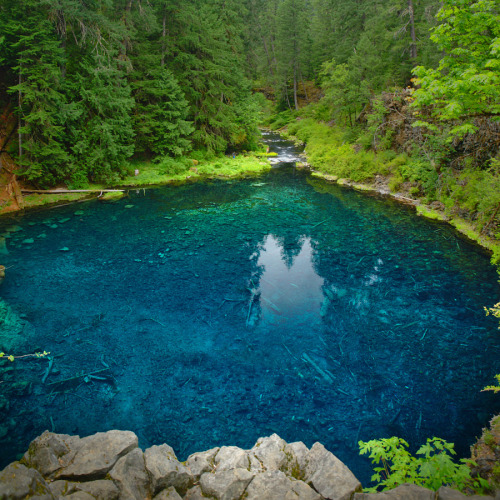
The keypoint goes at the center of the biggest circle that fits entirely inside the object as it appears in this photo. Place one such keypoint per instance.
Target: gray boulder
(195, 493)
(328, 475)
(79, 495)
(231, 457)
(445, 493)
(275, 485)
(296, 455)
(226, 484)
(198, 463)
(62, 487)
(131, 477)
(165, 470)
(169, 494)
(270, 452)
(102, 489)
(403, 492)
(18, 482)
(96, 455)
(51, 452)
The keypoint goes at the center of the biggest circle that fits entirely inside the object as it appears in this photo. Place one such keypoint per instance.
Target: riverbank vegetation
(94, 85)
(423, 123)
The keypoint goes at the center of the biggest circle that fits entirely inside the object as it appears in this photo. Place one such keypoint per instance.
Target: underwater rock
(13, 330)
(3, 246)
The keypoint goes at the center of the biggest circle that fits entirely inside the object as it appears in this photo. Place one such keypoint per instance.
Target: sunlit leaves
(467, 80)
(435, 467)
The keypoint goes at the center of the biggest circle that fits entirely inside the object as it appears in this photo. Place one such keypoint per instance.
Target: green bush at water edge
(433, 469)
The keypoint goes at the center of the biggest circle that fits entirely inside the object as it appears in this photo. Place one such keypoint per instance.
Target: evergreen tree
(208, 64)
(293, 46)
(39, 92)
(161, 112)
(102, 135)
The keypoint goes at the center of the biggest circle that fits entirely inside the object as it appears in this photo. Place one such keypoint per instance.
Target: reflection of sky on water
(288, 283)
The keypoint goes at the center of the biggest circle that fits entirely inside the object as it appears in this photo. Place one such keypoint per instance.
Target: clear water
(227, 311)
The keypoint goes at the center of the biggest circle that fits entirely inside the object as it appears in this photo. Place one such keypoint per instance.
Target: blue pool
(214, 313)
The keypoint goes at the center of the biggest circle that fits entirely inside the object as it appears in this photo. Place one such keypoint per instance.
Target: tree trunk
(295, 101)
(269, 63)
(413, 46)
(20, 113)
(163, 37)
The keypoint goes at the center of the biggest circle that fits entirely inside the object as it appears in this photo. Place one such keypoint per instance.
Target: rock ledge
(111, 466)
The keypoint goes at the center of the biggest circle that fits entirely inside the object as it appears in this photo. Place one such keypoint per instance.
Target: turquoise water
(212, 314)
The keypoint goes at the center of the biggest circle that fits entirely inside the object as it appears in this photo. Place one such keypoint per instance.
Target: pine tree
(102, 135)
(39, 92)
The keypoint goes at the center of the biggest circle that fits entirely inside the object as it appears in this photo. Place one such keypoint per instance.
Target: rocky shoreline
(111, 466)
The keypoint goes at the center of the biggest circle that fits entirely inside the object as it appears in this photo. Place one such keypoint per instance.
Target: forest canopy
(97, 83)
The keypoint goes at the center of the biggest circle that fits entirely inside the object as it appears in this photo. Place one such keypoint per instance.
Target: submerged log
(73, 382)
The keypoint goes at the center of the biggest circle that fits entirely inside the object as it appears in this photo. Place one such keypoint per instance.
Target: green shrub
(435, 467)
(173, 166)
(202, 155)
(477, 191)
(395, 182)
(421, 171)
(281, 119)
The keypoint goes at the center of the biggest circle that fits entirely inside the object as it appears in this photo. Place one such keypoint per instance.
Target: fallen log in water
(73, 382)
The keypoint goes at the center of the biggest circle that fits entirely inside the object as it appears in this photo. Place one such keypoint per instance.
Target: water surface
(225, 311)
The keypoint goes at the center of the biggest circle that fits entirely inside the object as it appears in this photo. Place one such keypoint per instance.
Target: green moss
(429, 213)
(489, 439)
(266, 154)
(112, 195)
(40, 200)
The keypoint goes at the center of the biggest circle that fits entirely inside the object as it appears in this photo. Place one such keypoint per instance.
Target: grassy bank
(466, 199)
(168, 172)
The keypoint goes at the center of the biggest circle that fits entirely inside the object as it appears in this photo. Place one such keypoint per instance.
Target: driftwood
(73, 382)
(65, 191)
(327, 377)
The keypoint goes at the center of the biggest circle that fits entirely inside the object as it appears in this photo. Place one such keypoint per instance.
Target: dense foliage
(365, 45)
(97, 82)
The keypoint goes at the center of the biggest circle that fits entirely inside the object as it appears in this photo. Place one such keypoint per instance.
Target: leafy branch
(12, 357)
